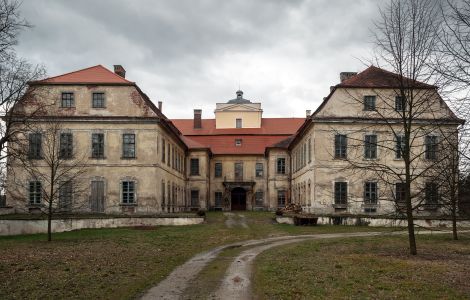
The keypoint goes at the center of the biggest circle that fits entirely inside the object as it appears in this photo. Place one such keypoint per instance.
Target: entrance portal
(238, 199)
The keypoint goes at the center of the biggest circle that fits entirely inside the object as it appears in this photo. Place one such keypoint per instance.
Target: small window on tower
(238, 142)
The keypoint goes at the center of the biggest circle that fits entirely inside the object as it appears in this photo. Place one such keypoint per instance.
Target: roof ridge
(85, 69)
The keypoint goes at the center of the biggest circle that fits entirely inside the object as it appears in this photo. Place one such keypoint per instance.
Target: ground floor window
(370, 193)
(65, 195)
(281, 198)
(259, 198)
(194, 198)
(128, 192)
(431, 193)
(400, 192)
(218, 199)
(341, 192)
(35, 192)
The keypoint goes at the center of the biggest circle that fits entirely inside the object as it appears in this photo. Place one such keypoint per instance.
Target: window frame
(259, 170)
(431, 147)
(66, 147)
(102, 100)
(399, 142)
(259, 200)
(128, 188)
(431, 190)
(400, 104)
(98, 147)
(194, 167)
(218, 201)
(400, 193)
(193, 199)
(341, 146)
(218, 171)
(341, 193)
(370, 147)
(70, 101)
(371, 194)
(128, 145)
(367, 105)
(281, 165)
(238, 171)
(35, 195)
(238, 123)
(66, 190)
(281, 198)
(35, 143)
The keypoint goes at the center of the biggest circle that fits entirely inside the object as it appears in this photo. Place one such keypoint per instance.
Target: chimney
(197, 118)
(160, 103)
(332, 88)
(118, 69)
(308, 112)
(346, 75)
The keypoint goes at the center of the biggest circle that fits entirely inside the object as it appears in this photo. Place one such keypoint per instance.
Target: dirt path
(234, 220)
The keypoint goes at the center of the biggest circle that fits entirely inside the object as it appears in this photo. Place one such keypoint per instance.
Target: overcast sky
(192, 54)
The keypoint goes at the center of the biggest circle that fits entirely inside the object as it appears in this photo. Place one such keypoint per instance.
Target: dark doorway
(238, 199)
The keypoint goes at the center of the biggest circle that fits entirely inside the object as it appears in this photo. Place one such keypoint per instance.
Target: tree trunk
(49, 222)
(411, 229)
(454, 221)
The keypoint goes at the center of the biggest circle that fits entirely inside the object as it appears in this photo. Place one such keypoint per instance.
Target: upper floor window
(66, 145)
(259, 170)
(35, 145)
(281, 165)
(194, 170)
(218, 169)
(35, 192)
(431, 147)
(370, 193)
(98, 100)
(238, 142)
(128, 145)
(128, 192)
(370, 146)
(400, 104)
(341, 192)
(399, 146)
(309, 150)
(369, 102)
(431, 193)
(97, 145)
(281, 198)
(163, 151)
(238, 123)
(341, 145)
(67, 100)
(239, 171)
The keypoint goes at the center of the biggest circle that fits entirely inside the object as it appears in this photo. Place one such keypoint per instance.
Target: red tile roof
(269, 126)
(374, 77)
(273, 133)
(92, 75)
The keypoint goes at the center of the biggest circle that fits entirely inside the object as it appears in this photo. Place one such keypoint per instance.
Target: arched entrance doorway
(238, 197)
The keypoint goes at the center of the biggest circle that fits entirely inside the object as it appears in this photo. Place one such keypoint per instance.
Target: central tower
(238, 113)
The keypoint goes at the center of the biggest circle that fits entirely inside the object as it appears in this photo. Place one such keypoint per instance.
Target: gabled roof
(92, 75)
(269, 126)
(374, 77)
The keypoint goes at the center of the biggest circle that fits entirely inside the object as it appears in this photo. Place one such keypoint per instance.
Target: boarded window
(35, 192)
(97, 145)
(67, 100)
(128, 145)
(341, 192)
(128, 192)
(341, 145)
(370, 146)
(65, 195)
(218, 169)
(98, 100)
(66, 145)
(35, 146)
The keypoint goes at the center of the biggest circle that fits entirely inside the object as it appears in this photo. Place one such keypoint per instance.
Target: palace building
(139, 161)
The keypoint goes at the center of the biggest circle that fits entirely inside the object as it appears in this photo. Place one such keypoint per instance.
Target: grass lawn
(121, 263)
(364, 268)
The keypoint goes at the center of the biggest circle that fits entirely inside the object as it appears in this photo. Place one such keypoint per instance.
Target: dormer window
(238, 123)
(238, 142)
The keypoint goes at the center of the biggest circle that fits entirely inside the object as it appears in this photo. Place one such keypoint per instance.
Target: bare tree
(50, 170)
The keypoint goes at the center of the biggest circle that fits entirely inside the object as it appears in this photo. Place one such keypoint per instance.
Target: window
(370, 193)
(66, 145)
(194, 166)
(163, 194)
(65, 195)
(239, 171)
(128, 145)
(35, 192)
(163, 150)
(259, 170)
(431, 193)
(259, 197)
(431, 147)
(98, 100)
(128, 192)
(400, 104)
(67, 100)
(341, 146)
(238, 123)
(281, 198)
(370, 146)
(309, 150)
(369, 102)
(168, 159)
(341, 192)
(400, 192)
(218, 199)
(97, 145)
(238, 142)
(281, 165)
(194, 198)
(399, 146)
(35, 146)
(218, 169)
